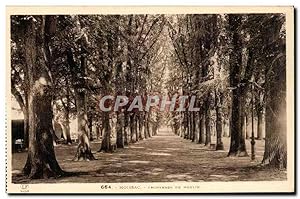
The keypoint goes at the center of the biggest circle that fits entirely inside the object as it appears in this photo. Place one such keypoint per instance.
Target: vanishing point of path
(162, 158)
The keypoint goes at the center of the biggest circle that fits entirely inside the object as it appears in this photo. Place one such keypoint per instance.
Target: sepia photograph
(150, 99)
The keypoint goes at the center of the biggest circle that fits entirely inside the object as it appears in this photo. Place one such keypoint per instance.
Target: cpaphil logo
(177, 103)
(24, 187)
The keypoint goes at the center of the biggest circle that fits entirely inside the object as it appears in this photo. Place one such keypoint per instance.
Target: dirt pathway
(162, 158)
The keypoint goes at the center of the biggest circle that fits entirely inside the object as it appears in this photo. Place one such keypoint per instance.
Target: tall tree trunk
(145, 125)
(78, 71)
(207, 128)
(111, 39)
(148, 124)
(197, 127)
(193, 126)
(26, 128)
(202, 128)
(260, 124)
(237, 142)
(190, 125)
(140, 124)
(41, 161)
(248, 126)
(135, 126)
(188, 134)
(207, 121)
(106, 145)
(120, 129)
(126, 118)
(276, 145)
(186, 125)
(90, 125)
(83, 150)
(235, 124)
(132, 127)
(219, 120)
(276, 113)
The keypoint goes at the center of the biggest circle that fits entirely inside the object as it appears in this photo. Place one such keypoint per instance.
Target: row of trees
(62, 65)
(235, 64)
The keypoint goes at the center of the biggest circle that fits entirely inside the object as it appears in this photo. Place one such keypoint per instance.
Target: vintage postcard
(150, 99)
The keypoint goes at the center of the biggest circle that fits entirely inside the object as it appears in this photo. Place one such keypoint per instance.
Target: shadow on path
(162, 158)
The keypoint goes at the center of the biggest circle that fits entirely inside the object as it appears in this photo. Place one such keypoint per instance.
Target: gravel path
(162, 158)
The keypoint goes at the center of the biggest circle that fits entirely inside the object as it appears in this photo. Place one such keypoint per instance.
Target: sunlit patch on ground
(138, 162)
(160, 154)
